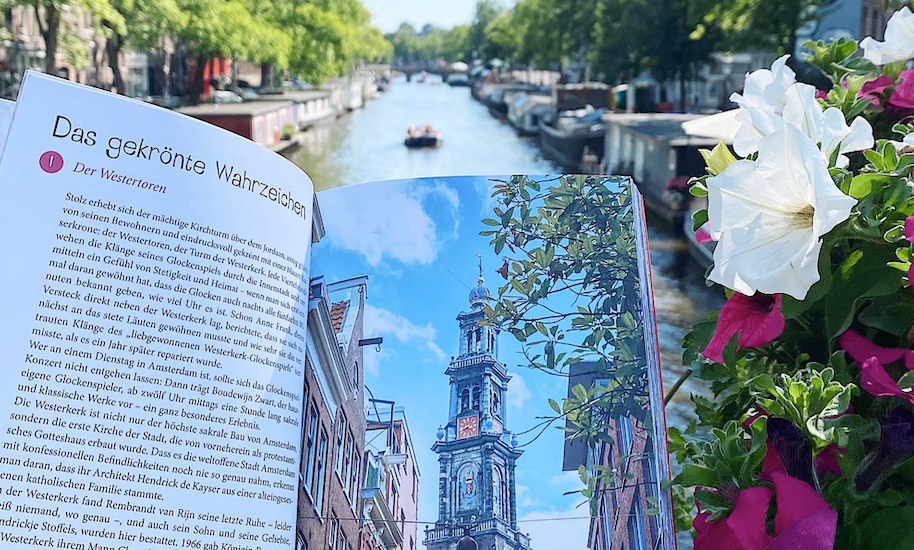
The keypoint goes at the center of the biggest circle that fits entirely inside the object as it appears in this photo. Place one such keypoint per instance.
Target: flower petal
(757, 319)
(875, 88)
(903, 96)
(876, 381)
(813, 532)
(861, 349)
(827, 460)
(803, 110)
(899, 40)
(754, 125)
(765, 89)
(796, 499)
(793, 448)
(743, 529)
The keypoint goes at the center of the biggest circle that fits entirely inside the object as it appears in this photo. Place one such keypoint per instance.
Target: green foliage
(572, 243)
(810, 398)
(572, 294)
(729, 460)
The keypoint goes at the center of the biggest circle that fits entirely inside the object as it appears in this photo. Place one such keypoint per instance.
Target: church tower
(476, 452)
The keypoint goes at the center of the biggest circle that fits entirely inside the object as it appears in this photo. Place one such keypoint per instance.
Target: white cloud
(568, 481)
(379, 321)
(389, 222)
(556, 529)
(518, 393)
(373, 359)
(439, 353)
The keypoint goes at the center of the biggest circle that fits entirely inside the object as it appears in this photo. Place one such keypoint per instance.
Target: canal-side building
(623, 520)
(477, 454)
(333, 417)
(391, 492)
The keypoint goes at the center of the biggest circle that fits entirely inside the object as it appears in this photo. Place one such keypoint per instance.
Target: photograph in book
(511, 379)
(154, 328)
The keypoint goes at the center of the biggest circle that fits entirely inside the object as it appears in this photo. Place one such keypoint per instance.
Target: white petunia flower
(769, 216)
(899, 40)
(764, 89)
(804, 111)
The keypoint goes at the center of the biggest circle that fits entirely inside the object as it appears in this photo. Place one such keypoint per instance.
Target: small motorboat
(422, 137)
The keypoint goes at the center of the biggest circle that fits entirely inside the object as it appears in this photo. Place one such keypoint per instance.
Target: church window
(465, 399)
(478, 339)
(496, 402)
(497, 494)
(476, 393)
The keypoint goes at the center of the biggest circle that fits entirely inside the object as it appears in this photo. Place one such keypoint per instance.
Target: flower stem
(675, 388)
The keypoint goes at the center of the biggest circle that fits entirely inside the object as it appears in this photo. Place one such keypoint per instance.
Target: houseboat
(575, 126)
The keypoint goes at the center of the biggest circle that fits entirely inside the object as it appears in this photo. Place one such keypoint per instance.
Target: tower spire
(479, 255)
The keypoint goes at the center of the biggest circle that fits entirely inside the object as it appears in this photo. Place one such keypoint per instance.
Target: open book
(185, 371)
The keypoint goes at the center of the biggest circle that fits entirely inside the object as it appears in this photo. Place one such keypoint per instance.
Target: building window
(317, 487)
(636, 534)
(476, 393)
(624, 424)
(353, 472)
(341, 455)
(308, 447)
(333, 532)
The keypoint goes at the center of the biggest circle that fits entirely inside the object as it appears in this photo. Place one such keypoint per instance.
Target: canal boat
(565, 138)
(525, 109)
(423, 137)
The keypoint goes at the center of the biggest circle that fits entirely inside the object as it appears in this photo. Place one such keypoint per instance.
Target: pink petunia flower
(909, 228)
(743, 529)
(875, 89)
(756, 318)
(903, 96)
(870, 359)
(803, 520)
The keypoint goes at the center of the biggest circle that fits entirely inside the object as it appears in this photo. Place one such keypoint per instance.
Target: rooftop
(251, 108)
(660, 126)
(337, 314)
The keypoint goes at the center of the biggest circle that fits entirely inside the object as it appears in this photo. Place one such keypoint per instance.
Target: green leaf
(699, 218)
(863, 184)
(891, 528)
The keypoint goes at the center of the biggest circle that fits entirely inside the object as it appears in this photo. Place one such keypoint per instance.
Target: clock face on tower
(468, 426)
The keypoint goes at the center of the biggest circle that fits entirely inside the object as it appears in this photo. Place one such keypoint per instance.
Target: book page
(467, 328)
(155, 294)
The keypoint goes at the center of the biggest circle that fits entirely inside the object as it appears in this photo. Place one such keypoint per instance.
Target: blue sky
(388, 14)
(417, 241)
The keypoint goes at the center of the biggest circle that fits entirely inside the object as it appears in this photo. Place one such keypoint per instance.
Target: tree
(573, 293)
(760, 24)
(143, 26)
(486, 12)
(226, 28)
(48, 14)
(572, 290)
(502, 37)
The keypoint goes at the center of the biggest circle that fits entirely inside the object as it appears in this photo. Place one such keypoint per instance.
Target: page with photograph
(519, 340)
(155, 298)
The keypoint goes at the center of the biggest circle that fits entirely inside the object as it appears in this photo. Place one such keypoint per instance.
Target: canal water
(367, 145)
